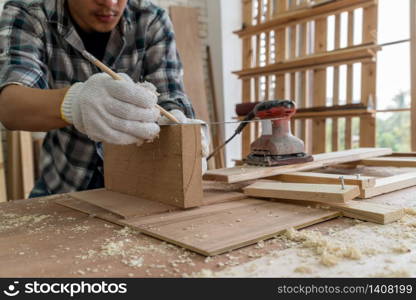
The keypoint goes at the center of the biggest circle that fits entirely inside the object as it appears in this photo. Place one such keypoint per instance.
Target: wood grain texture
(168, 170)
(189, 45)
(246, 172)
(322, 178)
(403, 162)
(390, 184)
(328, 193)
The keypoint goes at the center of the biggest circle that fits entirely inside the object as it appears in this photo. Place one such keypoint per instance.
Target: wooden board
(14, 166)
(390, 184)
(27, 162)
(169, 170)
(404, 162)
(189, 45)
(219, 228)
(246, 172)
(371, 212)
(330, 193)
(322, 178)
(3, 191)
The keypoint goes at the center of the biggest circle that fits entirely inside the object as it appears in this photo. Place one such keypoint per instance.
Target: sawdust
(12, 221)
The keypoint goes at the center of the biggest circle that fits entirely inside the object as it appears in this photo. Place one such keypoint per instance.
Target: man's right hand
(114, 111)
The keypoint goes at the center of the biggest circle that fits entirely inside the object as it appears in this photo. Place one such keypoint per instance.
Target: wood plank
(14, 167)
(335, 88)
(3, 190)
(246, 172)
(27, 162)
(365, 211)
(306, 14)
(389, 184)
(169, 170)
(401, 162)
(216, 229)
(371, 212)
(330, 193)
(319, 87)
(186, 25)
(322, 178)
(353, 54)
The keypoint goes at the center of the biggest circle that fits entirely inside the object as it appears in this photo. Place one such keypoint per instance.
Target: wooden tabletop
(39, 238)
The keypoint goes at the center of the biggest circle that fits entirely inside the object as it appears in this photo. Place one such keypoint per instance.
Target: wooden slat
(14, 167)
(27, 162)
(167, 170)
(350, 81)
(366, 211)
(331, 193)
(335, 57)
(368, 78)
(319, 88)
(246, 172)
(3, 190)
(401, 162)
(413, 72)
(306, 14)
(335, 89)
(390, 184)
(322, 178)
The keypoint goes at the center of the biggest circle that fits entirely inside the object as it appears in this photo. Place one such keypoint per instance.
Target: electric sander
(275, 148)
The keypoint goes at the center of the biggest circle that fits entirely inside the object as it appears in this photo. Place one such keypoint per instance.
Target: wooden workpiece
(405, 162)
(168, 170)
(3, 191)
(247, 172)
(322, 178)
(390, 184)
(328, 193)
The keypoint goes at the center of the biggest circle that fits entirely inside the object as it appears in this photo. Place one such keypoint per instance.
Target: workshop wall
(203, 32)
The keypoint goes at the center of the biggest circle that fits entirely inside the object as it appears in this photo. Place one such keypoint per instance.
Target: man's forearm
(29, 109)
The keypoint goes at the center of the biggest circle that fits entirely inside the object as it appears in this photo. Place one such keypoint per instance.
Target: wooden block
(401, 162)
(246, 172)
(390, 184)
(27, 162)
(322, 178)
(371, 212)
(14, 167)
(330, 193)
(168, 170)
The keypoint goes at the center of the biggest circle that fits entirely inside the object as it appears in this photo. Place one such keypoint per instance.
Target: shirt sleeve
(22, 50)
(162, 65)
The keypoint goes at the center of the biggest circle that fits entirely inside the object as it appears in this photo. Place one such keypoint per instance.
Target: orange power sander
(277, 148)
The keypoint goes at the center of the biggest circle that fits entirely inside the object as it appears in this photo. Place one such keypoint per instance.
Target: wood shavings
(410, 211)
(11, 221)
(303, 270)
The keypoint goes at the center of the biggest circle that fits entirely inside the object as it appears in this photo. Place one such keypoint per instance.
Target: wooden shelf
(304, 14)
(359, 53)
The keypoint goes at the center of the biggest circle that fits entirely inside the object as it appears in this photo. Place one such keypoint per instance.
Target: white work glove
(114, 111)
(178, 114)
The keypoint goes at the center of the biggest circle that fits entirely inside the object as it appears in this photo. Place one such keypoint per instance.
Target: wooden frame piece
(389, 184)
(3, 190)
(168, 170)
(327, 193)
(400, 162)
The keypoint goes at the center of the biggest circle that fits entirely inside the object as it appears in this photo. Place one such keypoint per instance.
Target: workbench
(40, 238)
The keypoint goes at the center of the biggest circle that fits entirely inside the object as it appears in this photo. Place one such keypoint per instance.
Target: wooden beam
(322, 178)
(169, 170)
(302, 191)
(27, 162)
(14, 166)
(335, 113)
(306, 14)
(247, 172)
(353, 54)
(389, 184)
(400, 162)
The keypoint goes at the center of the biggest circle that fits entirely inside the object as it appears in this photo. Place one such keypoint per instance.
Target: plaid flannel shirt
(40, 48)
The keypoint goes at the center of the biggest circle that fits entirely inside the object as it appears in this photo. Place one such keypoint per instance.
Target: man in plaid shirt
(47, 85)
